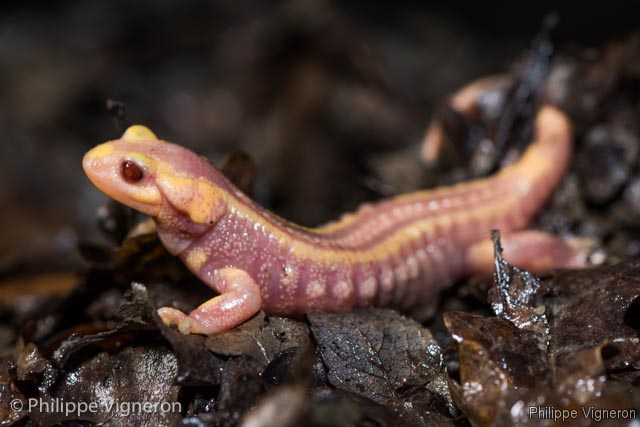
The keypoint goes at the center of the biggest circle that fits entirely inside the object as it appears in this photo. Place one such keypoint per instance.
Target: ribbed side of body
(405, 263)
(395, 253)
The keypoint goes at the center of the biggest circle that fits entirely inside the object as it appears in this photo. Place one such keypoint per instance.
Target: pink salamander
(399, 252)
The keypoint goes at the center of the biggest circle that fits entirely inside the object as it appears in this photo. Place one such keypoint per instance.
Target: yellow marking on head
(200, 200)
(143, 160)
(204, 203)
(100, 151)
(147, 195)
(144, 194)
(139, 133)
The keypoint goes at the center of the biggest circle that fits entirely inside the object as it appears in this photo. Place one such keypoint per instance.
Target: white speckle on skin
(386, 279)
(343, 290)
(367, 288)
(523, 187)
(316, 290)
(288, 277)
(409, 210)
(385, 221)
(401, 272)
(412, 266)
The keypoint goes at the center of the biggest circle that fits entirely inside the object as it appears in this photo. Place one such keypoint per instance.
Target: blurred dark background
(313, 90)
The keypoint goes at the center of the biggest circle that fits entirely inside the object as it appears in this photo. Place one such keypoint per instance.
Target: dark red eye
(131, 172)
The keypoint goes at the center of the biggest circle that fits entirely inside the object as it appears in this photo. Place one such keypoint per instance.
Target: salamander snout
(125, 170)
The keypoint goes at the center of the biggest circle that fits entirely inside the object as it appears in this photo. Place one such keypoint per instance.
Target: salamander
(399, 252)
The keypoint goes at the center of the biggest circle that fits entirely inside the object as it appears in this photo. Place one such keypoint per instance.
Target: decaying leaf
(568, 343)
(597, 306)
(385, 357)
(261, 338)
(509, 378)
(115, 382)
(512, 297)
(513, 349)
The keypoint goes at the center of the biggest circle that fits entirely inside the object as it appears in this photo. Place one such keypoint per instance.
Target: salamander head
(176, 186)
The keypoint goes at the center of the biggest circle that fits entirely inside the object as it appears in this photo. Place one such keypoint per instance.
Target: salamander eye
(130, 171)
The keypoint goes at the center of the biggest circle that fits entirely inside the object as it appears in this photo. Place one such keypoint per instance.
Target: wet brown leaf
(196, 365)
(114, 382)
(8, 393)
(516, 364)
(595, 306)
(260, 338)
(513, 295)
(515, 350)
(385, 357)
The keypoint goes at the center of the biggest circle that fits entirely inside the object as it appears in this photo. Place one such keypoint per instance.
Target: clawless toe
(238, 301)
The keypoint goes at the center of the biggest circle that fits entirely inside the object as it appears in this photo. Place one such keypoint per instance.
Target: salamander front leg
(238, 301)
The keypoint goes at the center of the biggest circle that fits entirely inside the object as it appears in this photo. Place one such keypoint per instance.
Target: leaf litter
(569, 341)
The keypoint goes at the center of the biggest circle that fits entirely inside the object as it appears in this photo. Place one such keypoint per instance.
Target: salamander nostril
(130, 171)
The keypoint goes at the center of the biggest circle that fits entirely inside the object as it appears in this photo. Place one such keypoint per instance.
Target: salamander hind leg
(238, 301)
(531, 250)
